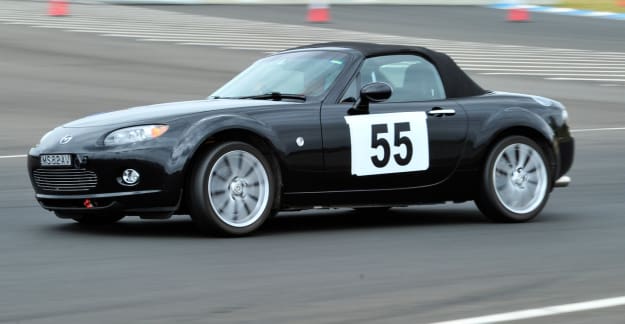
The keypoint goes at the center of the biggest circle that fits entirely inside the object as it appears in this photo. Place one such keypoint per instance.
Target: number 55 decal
(388, 143)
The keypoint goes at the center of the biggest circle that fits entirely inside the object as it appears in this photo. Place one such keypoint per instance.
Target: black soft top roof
(456, 82)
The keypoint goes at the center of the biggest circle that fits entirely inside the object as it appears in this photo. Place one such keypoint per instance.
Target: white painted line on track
(599, 13)
(546, 70)
(469, 64)
(12, 156)
(557, 74)
(537, 60)
(597, 129)
(586, 79)
(541, 312)
(562, 10)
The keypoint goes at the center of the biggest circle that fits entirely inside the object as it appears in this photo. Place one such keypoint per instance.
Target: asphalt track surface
(460, 23)
(410, 265)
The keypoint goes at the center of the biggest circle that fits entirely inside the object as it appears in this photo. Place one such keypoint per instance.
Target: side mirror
(376, 92)
(373, 92)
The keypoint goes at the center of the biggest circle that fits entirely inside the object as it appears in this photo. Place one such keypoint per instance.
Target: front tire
(232, 189)
(515, 182)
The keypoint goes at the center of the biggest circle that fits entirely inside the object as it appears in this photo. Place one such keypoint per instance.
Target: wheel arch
(231, 128)
(534, 135)
(521, 122)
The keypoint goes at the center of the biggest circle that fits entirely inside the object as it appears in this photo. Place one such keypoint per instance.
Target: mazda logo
(65, 139)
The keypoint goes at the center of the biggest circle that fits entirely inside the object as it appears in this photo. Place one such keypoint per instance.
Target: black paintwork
(316, 174)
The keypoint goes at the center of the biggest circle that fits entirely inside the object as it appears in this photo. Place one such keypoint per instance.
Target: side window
(411, 77)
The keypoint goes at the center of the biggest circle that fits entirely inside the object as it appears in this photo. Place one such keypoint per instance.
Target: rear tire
(516, 181)
(232, 190)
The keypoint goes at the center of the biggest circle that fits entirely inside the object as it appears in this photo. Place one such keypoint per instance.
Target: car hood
(165, 112)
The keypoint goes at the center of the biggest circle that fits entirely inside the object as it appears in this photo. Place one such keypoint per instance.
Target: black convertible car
(358, 125)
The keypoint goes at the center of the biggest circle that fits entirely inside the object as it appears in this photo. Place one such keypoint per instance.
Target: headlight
(134, 134)
(565, 115)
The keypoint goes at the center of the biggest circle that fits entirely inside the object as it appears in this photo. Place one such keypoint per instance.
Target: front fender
(195, 135)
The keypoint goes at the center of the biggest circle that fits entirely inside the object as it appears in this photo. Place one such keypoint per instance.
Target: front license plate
(56, 160)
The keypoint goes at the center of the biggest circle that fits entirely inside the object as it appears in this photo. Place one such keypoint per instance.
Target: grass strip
(596, 5)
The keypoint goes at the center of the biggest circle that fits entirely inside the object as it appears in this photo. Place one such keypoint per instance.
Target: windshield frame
(349, 60)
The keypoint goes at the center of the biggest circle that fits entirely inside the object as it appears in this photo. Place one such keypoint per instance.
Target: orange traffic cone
(318, 11)
(518, 15)
(620, 3)
(58, 8)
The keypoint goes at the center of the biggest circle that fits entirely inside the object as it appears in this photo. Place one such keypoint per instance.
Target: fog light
(130, 177)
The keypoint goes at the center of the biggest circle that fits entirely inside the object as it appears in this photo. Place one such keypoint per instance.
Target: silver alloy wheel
(520, 178)
(238, 188)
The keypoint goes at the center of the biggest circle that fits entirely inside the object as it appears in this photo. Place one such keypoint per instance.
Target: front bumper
(128, 203)
(157, 192)
(562, 182)
(567, 152)
(566, 148)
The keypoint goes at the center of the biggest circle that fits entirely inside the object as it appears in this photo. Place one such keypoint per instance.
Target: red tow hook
(88, 203)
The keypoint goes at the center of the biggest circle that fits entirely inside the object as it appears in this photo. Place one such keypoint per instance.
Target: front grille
(65, 179)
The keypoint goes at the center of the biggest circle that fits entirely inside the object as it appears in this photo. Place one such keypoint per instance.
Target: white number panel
(389, 143)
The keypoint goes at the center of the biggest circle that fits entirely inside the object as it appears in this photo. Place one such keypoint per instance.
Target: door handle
(437, 111)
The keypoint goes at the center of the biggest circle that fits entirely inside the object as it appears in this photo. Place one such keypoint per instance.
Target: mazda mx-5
(355, 125)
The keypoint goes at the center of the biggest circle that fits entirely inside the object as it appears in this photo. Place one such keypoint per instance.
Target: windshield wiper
(218, 97)
(276, 96)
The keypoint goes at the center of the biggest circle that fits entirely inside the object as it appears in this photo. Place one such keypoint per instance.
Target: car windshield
(289, 76)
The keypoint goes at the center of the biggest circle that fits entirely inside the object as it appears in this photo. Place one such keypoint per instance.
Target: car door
(413, 139)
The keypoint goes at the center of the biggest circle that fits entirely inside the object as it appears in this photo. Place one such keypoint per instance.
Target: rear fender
(513, 120)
